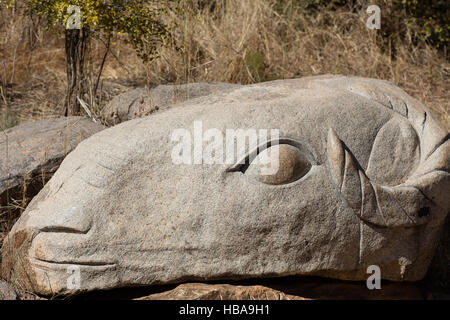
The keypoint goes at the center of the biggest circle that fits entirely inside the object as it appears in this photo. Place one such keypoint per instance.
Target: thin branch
(86, 108)
(107, 45)
(122, 65)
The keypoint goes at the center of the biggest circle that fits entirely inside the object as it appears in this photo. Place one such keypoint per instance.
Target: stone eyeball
(278, 164)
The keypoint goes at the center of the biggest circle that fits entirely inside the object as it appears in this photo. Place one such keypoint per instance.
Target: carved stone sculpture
(364, 181)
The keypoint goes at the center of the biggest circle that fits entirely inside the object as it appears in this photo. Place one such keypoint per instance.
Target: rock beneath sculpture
(137, 103)
(291, 290)
(201, 291)
(364, 181)
(6, 291)
(31, 153)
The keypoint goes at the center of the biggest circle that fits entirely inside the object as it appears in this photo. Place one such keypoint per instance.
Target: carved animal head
(363, 180)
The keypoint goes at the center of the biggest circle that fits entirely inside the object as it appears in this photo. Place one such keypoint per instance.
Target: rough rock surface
(31, 153)
(137, 103)
(122, 212)
(202, 291)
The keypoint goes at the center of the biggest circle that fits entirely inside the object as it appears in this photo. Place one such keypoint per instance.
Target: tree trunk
(77, 46)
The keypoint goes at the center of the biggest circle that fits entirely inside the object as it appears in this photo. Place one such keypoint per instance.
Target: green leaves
(256, 65)
(429, 20)
(139, 19)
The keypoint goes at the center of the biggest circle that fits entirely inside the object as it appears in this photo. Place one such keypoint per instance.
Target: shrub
(140, 20)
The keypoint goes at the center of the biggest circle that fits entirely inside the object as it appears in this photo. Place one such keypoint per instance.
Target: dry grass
(218, 45)
(294, 44)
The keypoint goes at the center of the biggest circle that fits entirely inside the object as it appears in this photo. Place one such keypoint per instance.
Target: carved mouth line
(64, 230)
(76, 263)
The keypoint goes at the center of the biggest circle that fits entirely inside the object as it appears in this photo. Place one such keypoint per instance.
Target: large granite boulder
(31, 152)
(362, 178)
(141, 102)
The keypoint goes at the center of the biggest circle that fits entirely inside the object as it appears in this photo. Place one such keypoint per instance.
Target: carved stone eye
(279, 164)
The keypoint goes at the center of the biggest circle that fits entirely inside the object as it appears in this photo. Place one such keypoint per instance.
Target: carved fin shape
(400, 206)
(369, 210)
(351, 186)
(336, 157)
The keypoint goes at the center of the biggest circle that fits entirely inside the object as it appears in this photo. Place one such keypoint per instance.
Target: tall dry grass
(295, 43)
(240, 41)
